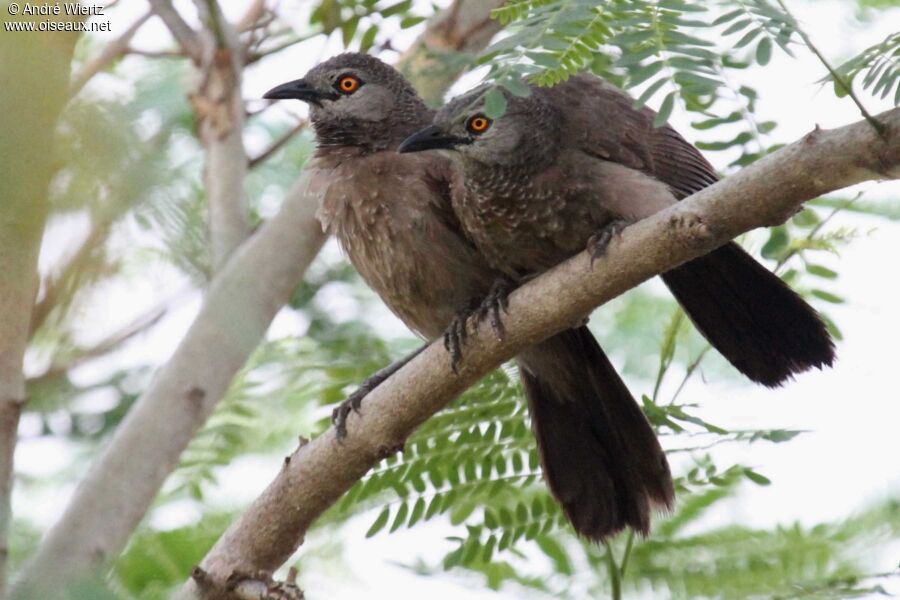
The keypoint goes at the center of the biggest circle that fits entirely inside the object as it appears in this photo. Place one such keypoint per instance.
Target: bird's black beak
(430, 138)
(298, 89)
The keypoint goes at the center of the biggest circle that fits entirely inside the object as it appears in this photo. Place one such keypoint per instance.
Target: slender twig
(111, 342)
(55, 286)
(815, 230)
(113, 50)
(629, 544)
(156, 53)
(214, 13)
(277, 144)
(293, 41)
(693, 366)
(665, 358)
(615, 577)
(845, 85)
(185, 36)
(251, 16)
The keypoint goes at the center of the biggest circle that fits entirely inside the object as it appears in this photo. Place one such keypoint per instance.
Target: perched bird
(570, 166)
(392, 215)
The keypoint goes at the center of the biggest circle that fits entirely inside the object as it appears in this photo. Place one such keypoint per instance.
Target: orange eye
(348, 84)
(478, 124)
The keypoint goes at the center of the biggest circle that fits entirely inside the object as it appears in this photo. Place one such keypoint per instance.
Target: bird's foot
(599, 242)
(490, 308)
(354, 400)
(260, 584)
(352, 403)
(494, 303)
(455, 337)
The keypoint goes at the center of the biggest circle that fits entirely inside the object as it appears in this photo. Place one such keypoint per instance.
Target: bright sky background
(848, 461)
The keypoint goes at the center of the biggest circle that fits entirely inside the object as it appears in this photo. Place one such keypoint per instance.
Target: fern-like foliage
(879, 67)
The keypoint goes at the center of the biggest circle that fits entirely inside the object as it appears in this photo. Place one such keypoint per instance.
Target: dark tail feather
(750, 316)
(600, 457)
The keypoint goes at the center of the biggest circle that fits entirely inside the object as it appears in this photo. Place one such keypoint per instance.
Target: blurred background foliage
(130, 182)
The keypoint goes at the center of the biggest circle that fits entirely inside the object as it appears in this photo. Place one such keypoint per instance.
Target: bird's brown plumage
(589, 160)
(392, 215)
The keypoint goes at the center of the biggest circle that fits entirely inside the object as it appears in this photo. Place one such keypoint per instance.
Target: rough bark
(240, 304)
(764, 194)
(39, 64)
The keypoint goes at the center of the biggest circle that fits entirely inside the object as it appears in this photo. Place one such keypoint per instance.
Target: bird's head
(356, 99)
(525, 132)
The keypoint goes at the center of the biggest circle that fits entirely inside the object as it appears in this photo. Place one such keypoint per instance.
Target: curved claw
(599, 242)
(352, 404)
(339, 419)
(455, 337)
(494, 303)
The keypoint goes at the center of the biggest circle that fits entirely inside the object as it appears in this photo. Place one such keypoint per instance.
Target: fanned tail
(752, 317)
(599, 454)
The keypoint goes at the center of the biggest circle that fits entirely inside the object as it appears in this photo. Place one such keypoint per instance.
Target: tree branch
(251, 16)
(237, 310)
(123, 481)
(186, 37)
(116, 48)
(55, 286)
(764, 194)
(277, 144)
(462, 28)
(137, 326)
(219, 110)
(39, 64)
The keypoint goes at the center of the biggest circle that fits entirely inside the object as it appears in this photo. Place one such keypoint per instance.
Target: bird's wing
(604, 121)
(445, 178)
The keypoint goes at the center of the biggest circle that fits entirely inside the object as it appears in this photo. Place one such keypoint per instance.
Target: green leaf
(417, 512)
(348, 30)
(777, 243)
(820, 271)
(644, 72)
(650, 91)
(737, 26)
(764, 51)
(490, 519)
(368, 38)
(729, 16)
(555, 552)
(380, 522)
(756, 477)
(408, 22)
(397, 8)
(494, 103)
(665, 111)
(806, 218)
(827, 296)
(749, 37)
(488, 552)
(400, 519)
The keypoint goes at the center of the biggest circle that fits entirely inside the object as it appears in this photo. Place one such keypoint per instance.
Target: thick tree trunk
(38, 63)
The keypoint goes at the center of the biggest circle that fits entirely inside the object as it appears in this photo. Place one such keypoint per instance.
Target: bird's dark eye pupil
(348, 84)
